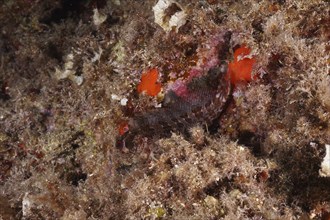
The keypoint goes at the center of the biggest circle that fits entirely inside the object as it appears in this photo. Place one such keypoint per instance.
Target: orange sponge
(149, 83)
(123, 128)
(240, 70)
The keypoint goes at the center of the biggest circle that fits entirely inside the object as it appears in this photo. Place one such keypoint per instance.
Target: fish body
(203, 104)
(205, 98)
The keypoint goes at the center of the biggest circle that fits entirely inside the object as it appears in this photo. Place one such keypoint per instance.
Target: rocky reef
(221, 108)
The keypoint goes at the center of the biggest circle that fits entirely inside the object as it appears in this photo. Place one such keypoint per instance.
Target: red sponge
(240, 69)
(149, 83)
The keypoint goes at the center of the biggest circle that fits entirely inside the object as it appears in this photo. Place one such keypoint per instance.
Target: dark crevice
(76, 177)
(68, 9)
(216, 188)
(4, 89)
(252, 141)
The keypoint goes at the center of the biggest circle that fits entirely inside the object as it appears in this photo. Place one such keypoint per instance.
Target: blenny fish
(206, 98)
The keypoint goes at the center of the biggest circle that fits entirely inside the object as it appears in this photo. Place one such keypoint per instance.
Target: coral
(68, 72)
(98, 18)
(325, 165)
(168, 14)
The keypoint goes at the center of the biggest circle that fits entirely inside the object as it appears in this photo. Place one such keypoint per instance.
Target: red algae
(208, 56)
(149, 84)
(241, 68)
